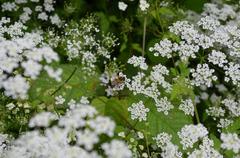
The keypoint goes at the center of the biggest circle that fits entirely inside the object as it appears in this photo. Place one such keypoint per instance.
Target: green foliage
(75, 83)
(128, 28)
(156, 122)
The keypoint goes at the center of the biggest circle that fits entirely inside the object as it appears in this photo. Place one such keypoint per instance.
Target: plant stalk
(144, 36)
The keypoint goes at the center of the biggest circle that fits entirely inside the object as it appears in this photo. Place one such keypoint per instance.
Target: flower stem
(144, 35)
(196, 114)
(147, 145)
(66, 81)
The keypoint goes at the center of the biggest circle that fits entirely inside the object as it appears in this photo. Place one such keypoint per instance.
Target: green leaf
(80, 84)
(104, 22)
(156, 122)
(217, 142)
(116, 109)
(233, 128)
(171, 123)
(100, 104)
(137, 47)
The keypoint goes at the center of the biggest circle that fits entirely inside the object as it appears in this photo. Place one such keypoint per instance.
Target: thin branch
(196, 114)
(144, 35)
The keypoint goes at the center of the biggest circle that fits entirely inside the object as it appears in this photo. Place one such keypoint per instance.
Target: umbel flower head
(77, 133)
(22, 58)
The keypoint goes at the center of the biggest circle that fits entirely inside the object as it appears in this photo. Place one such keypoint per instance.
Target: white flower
(122, 6)
(215, 112)
(162, 139)
(84, 100)
(202, 75)
(206, 150)
(90, 47)
(232, 106)
(57, 140)
(21, 1)
(10, 106)
(190, 134)
(3, 142)
(102, 125)
(16, 87)
(185, 30)
(187, 107)
(217, 58)
(31, 68)
(230, 142)
(187, 50)
(9, 6)
(43, 16)
(163, 48)
(144, 5)
(42, 119)
(59, 100)
(87, 138)
(232, 72)
(169, 150)
(140, 135)
(38, 8)
(220, 13)
(138, 61)
(55, 20)
(48, 5)
(138, 111)
(116, 149)
(208, 23)
(22, 53)
(163, 105)
(224, 123)
(157, 76)
(54, 74)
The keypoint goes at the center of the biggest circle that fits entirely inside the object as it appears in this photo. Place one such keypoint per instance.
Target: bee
(118, 81)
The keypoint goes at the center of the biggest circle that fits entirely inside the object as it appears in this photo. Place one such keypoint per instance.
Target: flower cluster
(76, 133)
(149, 86)
(163, 105)
(169, 150)
(44, 11)
(206, 149)
(59, 100)
(187, 107)
(213, 30)
(138, 111)
(3, 142)
(217, 58)
(122, 6)
(138, 62)
(190, 134)
(203, 76)
(80, 41)
(194, 67)
(232, 106)
(143, 5)
(23, 57)
(42, 119)
(230, 142)
(163, 48)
